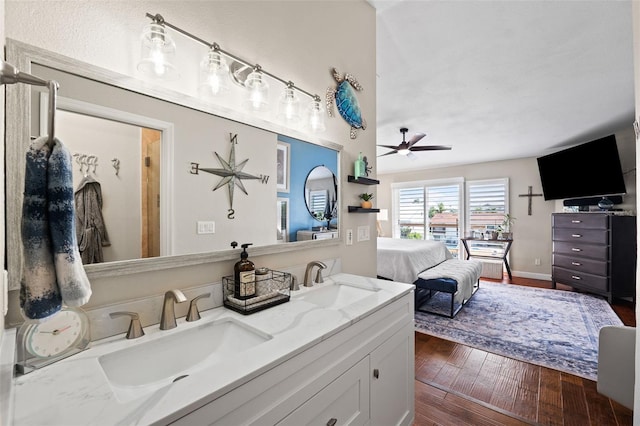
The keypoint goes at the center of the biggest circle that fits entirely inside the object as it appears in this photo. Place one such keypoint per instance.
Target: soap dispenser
(245, 276)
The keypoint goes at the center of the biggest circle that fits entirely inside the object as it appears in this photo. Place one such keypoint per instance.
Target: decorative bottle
(359, 167)
(244, 276)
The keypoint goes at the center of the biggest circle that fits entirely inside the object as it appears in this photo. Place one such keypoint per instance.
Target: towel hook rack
(11, 75)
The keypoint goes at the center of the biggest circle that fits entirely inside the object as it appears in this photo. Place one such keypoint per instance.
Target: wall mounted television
(589, 170)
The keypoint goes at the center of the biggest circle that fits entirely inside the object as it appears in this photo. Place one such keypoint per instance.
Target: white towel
(53, 273)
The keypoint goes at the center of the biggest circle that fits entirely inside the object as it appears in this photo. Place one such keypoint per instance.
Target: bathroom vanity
(341, 352)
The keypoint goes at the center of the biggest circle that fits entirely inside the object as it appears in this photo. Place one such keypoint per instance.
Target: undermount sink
(166, 358)
(337, 295)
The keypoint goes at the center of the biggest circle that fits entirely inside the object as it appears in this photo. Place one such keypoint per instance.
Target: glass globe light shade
(257, 98)
(157, 53)
(214, 75)
(315, 117)
(289, 106)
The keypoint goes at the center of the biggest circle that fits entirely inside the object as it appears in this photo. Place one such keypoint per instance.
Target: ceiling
(500, 80)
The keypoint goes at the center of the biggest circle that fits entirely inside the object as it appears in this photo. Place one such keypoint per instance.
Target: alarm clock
(63, 334)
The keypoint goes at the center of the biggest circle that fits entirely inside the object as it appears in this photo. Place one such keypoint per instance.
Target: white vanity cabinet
(361, 375)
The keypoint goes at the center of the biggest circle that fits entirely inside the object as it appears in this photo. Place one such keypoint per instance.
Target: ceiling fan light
(404, 151)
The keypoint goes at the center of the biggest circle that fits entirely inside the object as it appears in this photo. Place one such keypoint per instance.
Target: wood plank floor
(459, 385)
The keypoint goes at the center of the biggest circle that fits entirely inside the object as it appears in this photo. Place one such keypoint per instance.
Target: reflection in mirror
(320, 194)
(185, 198)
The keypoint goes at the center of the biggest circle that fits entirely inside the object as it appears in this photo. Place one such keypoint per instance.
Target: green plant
(365, 197)
(508, 222)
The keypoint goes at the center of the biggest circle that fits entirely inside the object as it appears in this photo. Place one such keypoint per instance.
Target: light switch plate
(206, 227)
(363, 233)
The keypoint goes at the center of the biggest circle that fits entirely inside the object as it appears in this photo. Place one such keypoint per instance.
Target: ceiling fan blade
(389, 153)
(431, 148)
(415, 139)
(389, 146)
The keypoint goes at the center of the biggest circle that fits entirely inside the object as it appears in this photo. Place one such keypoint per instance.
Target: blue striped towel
(52, 268)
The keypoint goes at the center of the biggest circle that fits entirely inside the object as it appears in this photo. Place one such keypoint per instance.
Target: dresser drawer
(580, 279)
(578, 264)
(582, 221)
(580, 249)
(595, 236)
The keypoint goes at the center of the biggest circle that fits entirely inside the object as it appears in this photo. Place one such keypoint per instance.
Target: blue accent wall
(303, 157)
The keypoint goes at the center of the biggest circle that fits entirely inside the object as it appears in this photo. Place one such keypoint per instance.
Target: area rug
(551, 328)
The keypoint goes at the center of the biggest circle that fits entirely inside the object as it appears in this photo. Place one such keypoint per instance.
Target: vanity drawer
(581, 250)
(580, 279)
(582, 221)
(578, 264)
(345, 401)
(596, 236)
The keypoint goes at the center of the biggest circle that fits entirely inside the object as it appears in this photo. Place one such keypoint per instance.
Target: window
(429, 210)
(487, 203)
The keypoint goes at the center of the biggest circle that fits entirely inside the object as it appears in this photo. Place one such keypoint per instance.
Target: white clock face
(54, 336)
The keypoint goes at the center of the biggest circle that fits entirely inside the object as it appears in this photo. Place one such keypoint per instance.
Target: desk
(506, 244)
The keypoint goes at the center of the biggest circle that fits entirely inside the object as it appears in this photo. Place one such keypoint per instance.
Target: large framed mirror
(195, 223)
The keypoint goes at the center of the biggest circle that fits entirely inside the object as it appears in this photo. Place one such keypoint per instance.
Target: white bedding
(402, 260)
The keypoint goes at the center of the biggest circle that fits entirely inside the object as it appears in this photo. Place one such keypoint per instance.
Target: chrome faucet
(307, 273)
(168, 318)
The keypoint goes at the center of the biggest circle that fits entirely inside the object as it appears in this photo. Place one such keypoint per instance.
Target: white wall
(636, 62)
(532, 234)
(2, 210)
(299, 41)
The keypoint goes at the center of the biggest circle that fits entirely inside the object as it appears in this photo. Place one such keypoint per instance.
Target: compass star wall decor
(231, 173)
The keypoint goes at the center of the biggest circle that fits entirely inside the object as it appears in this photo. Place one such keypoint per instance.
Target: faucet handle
(319, 278)
(294, 286)
(194, 314)
(135, 328)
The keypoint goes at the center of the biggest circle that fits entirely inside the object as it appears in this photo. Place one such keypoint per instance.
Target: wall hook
(116, 165)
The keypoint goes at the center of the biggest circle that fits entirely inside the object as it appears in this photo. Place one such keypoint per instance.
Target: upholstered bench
(458, 278)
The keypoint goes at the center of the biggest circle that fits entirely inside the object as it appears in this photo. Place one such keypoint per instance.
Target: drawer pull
(575, 277)
(576, 249)
(576, 263)
(332, 422)
(576, 221)
(376, 373)
(576, 235)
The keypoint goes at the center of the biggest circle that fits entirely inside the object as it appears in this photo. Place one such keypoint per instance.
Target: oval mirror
(320, 195)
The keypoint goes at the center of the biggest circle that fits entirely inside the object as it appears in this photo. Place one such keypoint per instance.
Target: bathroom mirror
(187, 198)
(320, 194)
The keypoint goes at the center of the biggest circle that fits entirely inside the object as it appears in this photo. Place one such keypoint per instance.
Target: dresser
(595, 253)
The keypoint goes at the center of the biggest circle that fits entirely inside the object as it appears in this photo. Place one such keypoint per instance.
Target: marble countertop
(77, 391)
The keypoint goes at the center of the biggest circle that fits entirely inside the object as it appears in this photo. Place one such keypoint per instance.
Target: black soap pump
(245, 276)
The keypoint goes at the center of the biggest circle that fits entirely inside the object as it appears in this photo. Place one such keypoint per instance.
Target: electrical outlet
(349, 237)
(363, 233)
(537, 261)
(206, 227)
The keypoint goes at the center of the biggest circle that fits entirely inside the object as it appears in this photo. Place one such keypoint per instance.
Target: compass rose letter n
(231, 173)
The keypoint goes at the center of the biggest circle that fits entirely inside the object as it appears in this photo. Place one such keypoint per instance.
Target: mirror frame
(17, 134)
(306, 202)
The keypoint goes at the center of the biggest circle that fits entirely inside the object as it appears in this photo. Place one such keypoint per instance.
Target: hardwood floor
(459, 385)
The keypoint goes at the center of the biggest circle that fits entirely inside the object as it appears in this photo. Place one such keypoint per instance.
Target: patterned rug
(555, 329)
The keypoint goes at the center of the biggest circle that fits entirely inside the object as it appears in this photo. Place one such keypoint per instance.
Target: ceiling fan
(407, 148)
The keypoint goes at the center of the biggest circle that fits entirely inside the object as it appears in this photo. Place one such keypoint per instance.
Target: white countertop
(76, 390)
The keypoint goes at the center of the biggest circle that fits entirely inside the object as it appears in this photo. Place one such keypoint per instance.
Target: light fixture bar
(157, 18)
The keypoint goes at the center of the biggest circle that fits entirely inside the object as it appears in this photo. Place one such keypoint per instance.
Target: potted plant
(366, 200)
(507, 223)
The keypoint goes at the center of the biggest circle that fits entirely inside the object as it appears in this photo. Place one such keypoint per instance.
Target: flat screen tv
(588, 170)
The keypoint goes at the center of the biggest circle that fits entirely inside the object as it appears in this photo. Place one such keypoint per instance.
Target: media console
(595, 252)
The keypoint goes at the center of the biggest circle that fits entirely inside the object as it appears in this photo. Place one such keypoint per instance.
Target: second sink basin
(337, 295)
(166, 357)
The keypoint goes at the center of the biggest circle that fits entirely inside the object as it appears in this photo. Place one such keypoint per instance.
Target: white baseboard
(533, 275)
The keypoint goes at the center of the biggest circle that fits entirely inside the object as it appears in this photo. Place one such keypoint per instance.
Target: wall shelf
(358, 209)
(362, 180)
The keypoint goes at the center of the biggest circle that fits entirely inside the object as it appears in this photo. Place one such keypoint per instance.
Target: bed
(432, 268)
(402, 260)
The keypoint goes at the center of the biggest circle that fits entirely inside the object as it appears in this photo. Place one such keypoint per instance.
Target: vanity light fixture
(214, 74)
(157, 48)
(289, 105)
(158, 51)
(257, 97)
